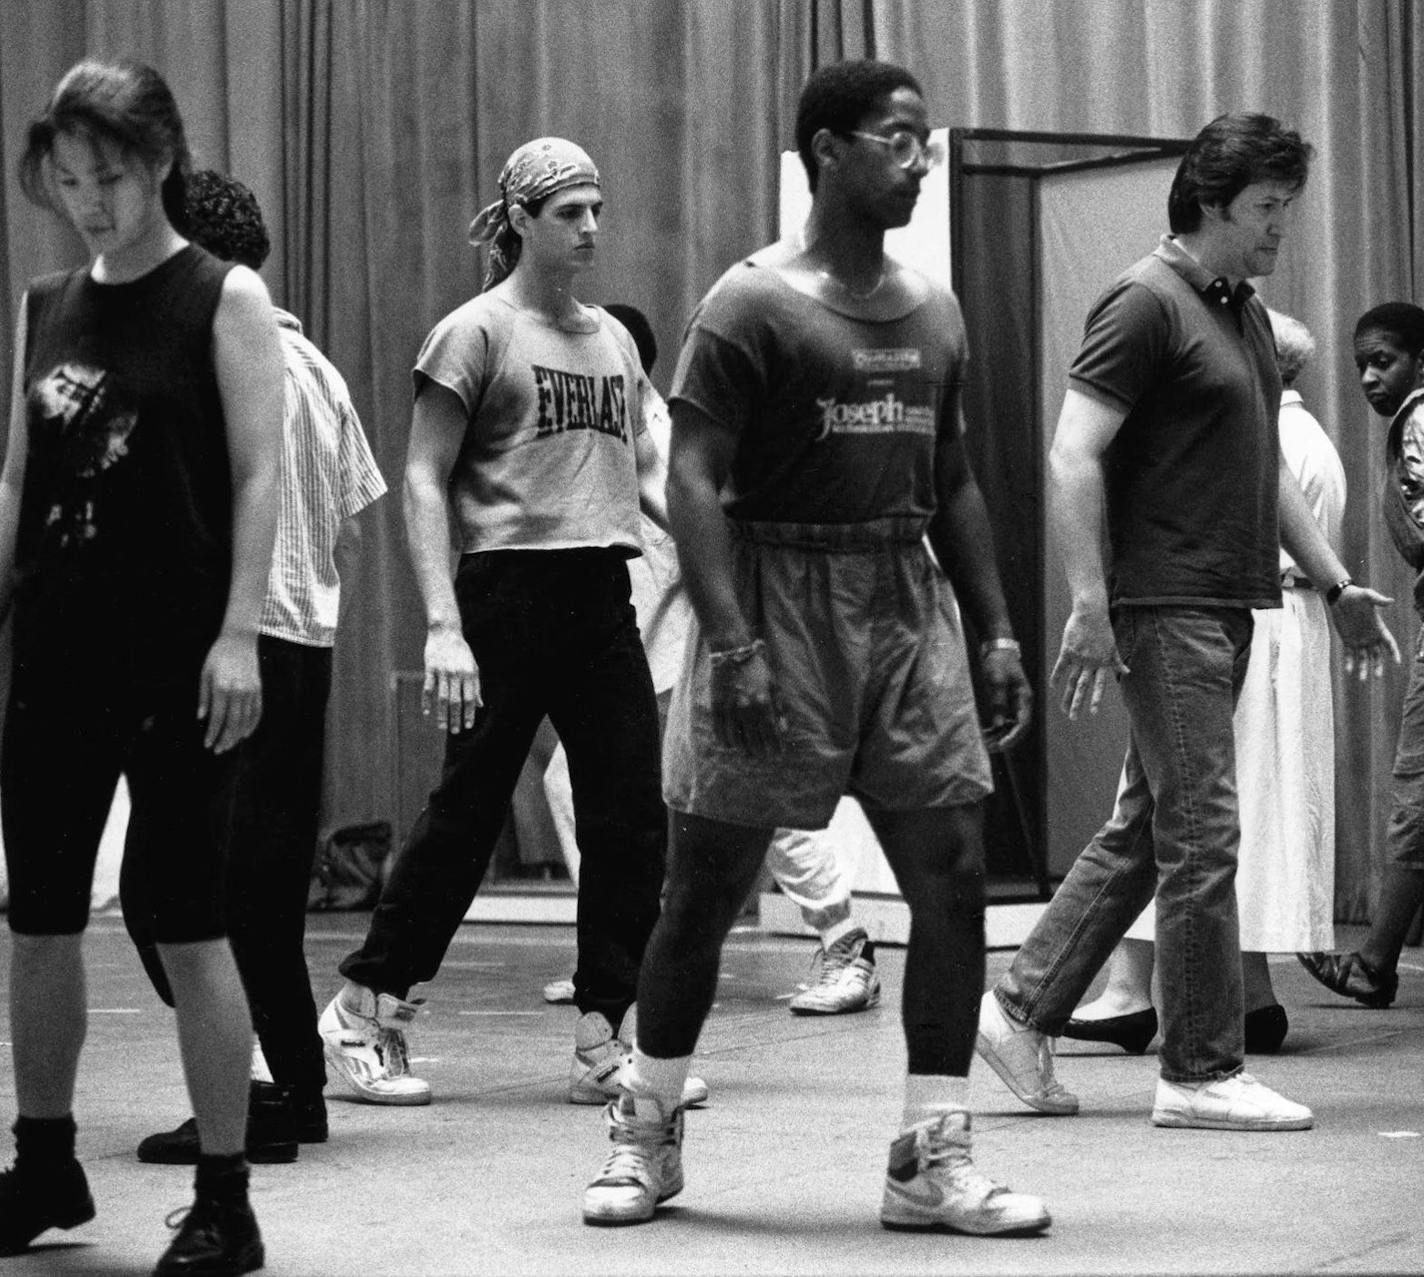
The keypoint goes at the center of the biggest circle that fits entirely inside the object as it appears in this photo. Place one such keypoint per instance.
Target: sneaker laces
(827, 964)
(952, 1158)
(391, 1050)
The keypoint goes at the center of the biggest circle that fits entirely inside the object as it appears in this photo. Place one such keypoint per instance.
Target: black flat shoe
(1131, 1032)
(1266, 1029)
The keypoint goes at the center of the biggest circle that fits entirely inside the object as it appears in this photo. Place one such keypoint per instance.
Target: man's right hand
(746, 711)
(452, 680)
(1088, 655)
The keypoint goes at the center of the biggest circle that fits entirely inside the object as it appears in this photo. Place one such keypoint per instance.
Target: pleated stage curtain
(372, 131)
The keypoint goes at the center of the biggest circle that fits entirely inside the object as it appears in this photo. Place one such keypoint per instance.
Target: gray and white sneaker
(844, 978)
(644, 1169)
(931, 1184)
(365, 1045)
(596, 1074)
(1023, 1058)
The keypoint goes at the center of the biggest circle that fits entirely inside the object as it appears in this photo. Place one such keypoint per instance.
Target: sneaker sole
(1029, 1228)
(693, 1097)
(866, 1005)
(1183, 1122)
(1065, 1108)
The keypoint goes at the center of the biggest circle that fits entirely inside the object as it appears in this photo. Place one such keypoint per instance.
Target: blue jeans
(1175, 831)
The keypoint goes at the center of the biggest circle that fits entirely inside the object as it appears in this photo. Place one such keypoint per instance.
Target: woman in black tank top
(137, 512)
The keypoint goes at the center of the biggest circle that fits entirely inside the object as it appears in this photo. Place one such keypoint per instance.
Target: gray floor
(784, 1167)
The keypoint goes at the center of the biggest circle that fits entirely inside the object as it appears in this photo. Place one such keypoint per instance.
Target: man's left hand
(1010, 699)
(1366, 637)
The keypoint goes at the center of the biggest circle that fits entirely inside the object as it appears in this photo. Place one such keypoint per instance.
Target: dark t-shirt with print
(836, 417)
(1191, 478)
(124, 543)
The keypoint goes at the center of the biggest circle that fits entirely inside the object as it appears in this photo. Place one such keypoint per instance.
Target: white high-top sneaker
(366, 1046)
(645, 1167)
(931, 1183)
(600, 1055)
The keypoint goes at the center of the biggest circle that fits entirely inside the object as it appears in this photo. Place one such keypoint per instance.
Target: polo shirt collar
(285, 319)
(1290, 397)
(1214, 289)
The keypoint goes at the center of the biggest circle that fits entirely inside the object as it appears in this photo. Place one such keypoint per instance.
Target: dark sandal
(1351, 976)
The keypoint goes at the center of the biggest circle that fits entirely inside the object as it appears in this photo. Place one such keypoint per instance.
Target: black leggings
(67, 741)
(938, 860)
(272, 806)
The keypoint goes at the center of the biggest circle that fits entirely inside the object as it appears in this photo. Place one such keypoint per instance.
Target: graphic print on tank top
(93, 420)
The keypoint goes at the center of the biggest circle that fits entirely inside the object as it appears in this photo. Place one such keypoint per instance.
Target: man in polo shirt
(1169, 426)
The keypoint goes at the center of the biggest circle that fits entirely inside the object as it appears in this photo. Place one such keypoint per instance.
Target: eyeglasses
(905, 148)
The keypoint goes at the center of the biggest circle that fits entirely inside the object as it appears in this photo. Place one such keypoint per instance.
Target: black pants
(553, 632)
(273, 806)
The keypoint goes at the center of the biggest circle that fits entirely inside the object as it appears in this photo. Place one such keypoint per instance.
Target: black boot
(218, 1236)
(45, 1188)
(271, 1132)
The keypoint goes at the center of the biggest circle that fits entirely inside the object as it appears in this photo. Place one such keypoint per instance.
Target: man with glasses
(817, 442)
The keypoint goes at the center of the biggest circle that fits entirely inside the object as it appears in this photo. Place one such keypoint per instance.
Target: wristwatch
(1332, 595)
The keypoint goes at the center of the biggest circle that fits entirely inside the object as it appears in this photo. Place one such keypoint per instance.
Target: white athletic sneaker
(931, 1183)
(599, 1056)
(367, 1047)
(845, 978)
(1237, 1103)
(560, 992)
(645, 1167)
(1023, 1057)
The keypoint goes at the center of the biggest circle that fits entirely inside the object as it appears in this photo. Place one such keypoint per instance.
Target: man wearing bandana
(528, 437)
(817, 443)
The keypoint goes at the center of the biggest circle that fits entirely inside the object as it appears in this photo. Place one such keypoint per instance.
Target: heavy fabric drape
(372, 130)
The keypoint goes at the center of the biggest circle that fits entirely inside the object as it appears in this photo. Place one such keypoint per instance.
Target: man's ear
(519, 219)
(825, 149)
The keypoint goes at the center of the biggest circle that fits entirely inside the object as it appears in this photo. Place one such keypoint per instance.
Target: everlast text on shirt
(580, 401)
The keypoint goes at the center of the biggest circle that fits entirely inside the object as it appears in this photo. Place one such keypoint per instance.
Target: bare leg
(215, 1039)
(1129, 984)
(1401, 894)
(1256, 986)
(48, 1020)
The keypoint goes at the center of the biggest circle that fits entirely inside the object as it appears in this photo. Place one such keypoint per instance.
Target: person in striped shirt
(328, 476)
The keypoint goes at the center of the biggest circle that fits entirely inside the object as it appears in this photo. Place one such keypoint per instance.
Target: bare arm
(964, 544)
(743, 691)
(12, 476)
(1086, 426)
(247, 357)
(652, 466)
(452, 680)
(1356, 612)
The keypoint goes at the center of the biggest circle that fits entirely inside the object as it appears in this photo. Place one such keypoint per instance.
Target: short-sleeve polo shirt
(1191, 479)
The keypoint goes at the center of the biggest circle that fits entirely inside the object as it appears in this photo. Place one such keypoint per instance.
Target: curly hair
(1295, 347)
(1404, 321)
(225, 218)
(839, 96)
(128, 103)
(1228, 155)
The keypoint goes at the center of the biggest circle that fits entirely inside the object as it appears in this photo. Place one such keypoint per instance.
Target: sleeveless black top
(124, 545)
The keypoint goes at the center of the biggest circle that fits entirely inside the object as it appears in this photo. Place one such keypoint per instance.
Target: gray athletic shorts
(863, 637)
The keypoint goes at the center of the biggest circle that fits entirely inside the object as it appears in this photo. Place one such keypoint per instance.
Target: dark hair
(125, 101)
(839, 96)
(1403, 321)
(1228, 155)
(639, 329)
(224, 218)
